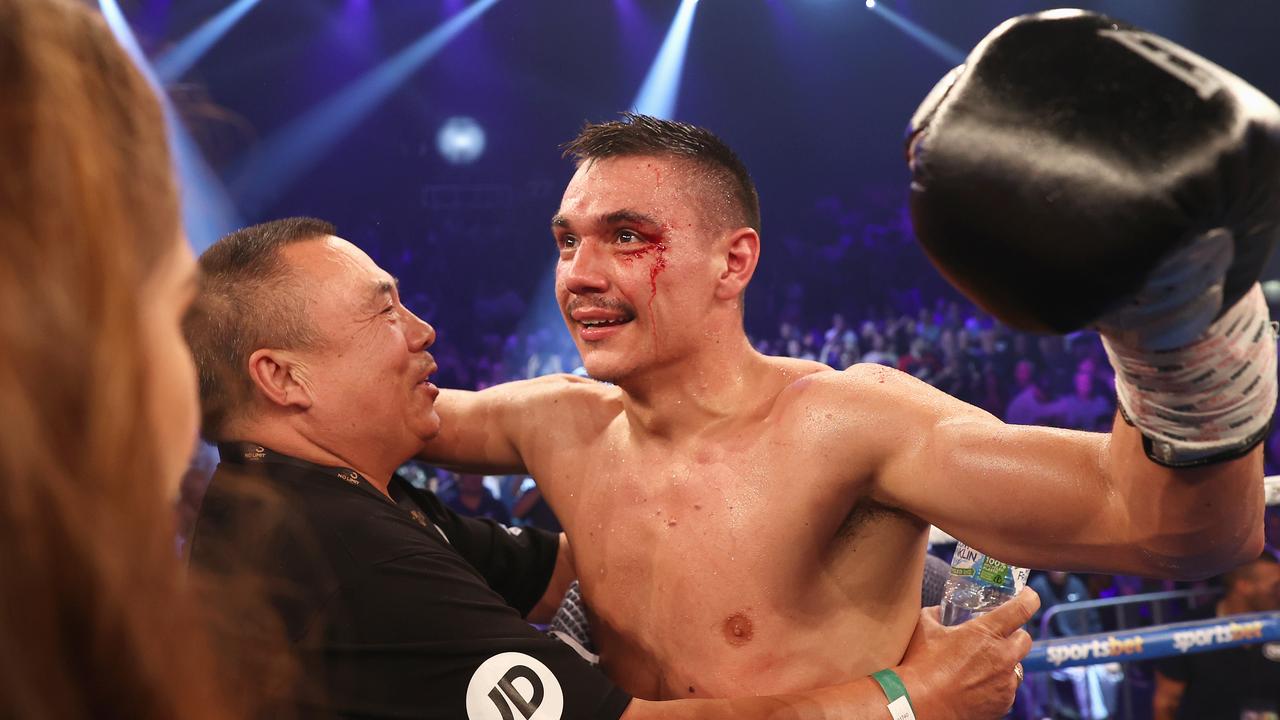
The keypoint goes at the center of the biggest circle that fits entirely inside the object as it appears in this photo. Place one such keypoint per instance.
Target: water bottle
(977, 584)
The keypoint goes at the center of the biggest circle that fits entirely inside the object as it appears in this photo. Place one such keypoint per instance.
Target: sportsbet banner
(1154, 642)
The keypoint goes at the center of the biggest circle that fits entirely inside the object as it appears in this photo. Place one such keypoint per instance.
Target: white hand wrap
(1207, 400)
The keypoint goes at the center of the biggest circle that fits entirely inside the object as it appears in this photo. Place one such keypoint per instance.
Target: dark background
(814, 95)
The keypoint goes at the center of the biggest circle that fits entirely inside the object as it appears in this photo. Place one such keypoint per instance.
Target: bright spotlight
(460, 140)
(942, 48)
(657, 96)
(871, 4)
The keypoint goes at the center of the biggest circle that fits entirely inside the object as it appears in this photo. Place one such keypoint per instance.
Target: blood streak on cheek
(659, 264)
(658, 249)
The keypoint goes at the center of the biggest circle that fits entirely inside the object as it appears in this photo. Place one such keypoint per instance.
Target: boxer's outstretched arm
(1047, 498)
(950, 673)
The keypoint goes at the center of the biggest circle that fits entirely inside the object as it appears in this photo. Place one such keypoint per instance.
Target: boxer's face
(635, 273)
(368, 374)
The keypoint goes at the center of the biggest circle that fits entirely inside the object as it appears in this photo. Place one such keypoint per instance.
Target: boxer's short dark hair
(640, 135)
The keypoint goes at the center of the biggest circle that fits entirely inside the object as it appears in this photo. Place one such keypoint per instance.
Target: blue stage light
(207, 212)
(177, 61)
(460, 140)
(657, 96)
(943, 49)
(283, 157)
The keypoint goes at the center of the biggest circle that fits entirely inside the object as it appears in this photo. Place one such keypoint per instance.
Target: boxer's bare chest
(707, 563)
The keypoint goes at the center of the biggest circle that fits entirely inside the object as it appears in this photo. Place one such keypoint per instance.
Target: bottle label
(968, 562)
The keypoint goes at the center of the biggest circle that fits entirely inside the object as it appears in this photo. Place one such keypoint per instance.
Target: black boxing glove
(1080, 172)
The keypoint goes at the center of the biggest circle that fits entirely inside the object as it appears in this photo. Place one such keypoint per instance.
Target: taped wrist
(1208, 401)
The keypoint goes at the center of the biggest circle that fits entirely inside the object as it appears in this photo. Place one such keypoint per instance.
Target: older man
(315, 384)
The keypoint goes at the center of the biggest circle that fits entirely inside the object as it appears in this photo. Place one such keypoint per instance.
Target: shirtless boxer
(745, 523)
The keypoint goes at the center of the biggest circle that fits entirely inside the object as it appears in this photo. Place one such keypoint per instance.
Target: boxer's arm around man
(484, 431)
(1036, 496)
(561, 578)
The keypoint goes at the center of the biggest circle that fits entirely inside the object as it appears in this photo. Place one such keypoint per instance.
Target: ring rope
(1157, 641)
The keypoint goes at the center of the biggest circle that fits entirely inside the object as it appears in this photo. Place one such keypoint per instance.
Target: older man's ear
(281, 378)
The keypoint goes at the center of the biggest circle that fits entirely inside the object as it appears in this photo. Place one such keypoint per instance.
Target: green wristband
(896, 692)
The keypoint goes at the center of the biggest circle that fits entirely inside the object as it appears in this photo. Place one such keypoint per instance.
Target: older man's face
(369, 374)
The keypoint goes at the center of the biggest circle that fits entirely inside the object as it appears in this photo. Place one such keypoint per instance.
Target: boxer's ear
(741, 255)
(281, 378)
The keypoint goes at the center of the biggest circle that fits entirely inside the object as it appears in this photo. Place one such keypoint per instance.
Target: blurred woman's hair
(96, 615)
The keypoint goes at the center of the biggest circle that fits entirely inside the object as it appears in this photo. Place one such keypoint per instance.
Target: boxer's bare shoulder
(557, 393)
(866, 401)
(556, 409)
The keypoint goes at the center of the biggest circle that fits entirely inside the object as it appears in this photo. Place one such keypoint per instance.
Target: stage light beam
(657, 96)
(174, 63)
(280, 159)
(940, 47)
(207, 212)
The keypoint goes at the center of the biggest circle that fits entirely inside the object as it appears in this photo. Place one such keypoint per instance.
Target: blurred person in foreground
(97, 389)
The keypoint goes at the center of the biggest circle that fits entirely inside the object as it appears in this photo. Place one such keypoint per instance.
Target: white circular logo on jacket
(1271, 651)
(514, 686)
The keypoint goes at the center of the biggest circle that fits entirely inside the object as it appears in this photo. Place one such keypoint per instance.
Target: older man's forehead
(331, 260)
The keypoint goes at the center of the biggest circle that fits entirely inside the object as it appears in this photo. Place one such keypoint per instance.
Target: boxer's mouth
(594, 318)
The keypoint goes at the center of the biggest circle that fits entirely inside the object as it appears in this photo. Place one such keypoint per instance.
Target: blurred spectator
(1085, 409)
(879, 353)
(1056, 587)
(837, 329)
(1029, 406)
(849, 350)
(532, 509)
(472, 499)
(1237, 683)
(926, 328)
(1075, 693)
(1056, 365)
(959, 378)
(831, 352)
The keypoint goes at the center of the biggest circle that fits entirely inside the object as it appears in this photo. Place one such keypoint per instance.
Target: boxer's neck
(681, 399)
